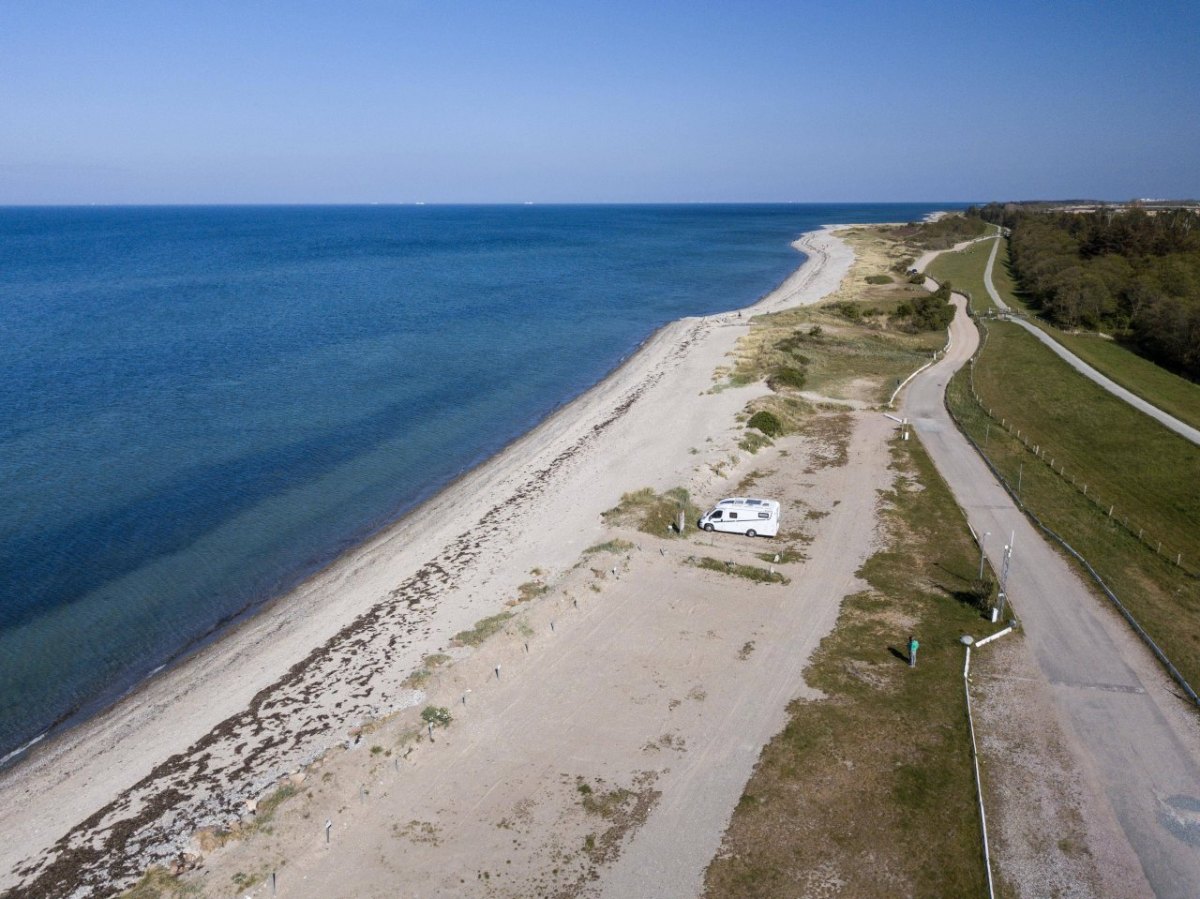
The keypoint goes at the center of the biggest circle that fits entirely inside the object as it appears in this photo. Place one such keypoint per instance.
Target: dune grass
(841, 358)
(1146, 475)
(869, 791)
(655, 513)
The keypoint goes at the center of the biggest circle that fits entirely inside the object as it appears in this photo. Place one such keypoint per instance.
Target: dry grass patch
(869, 791)
(736, 569)
(483, 629)
(654, 513)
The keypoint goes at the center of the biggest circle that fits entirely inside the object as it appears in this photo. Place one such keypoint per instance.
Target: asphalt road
(1083, 368)
(1135, 738)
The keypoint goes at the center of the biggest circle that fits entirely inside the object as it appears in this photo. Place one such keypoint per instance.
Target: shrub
(848, 311)
(879, 279)
(787, 376)
(436, 715)
(766, 422)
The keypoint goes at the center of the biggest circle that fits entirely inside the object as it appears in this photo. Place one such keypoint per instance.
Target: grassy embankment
(869, 791)
(1174, 395)
(1148, 476)
(964, 271)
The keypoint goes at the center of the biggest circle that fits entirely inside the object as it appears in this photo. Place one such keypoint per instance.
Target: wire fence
(1015, 495)
(1108, 507)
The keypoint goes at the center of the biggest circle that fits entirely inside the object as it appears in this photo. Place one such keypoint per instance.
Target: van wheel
(708, 527)
(751, 533)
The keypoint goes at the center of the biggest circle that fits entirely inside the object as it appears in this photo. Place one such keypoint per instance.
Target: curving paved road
(1082, 367)
(1131, 734)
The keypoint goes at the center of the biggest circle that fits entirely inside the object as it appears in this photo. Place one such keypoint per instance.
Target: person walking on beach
(913, 646)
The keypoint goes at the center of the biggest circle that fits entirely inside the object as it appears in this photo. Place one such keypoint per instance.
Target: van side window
(733, 514)
(764, 515)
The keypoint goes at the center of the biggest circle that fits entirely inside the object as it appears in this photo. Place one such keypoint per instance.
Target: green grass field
(871, 786)
(1147, 475)
(964, 271)
(1174, 395)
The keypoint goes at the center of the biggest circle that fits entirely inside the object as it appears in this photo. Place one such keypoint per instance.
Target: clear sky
(662, 100)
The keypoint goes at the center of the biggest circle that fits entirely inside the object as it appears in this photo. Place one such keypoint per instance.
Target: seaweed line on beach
(151, 822)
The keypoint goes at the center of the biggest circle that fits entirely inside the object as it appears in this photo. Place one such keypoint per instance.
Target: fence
(1008, 487)
(1108, 508)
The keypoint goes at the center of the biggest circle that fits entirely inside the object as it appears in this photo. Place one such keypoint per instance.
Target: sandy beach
(130, 788)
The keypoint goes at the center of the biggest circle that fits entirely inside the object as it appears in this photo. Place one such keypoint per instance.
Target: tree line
(1128, 272)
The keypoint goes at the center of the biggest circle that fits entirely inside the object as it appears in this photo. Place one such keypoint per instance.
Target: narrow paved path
(1132, 736)
(1082, 367)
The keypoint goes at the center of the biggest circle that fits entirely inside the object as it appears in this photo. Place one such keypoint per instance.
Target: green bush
(787, 376)
(766, 422)
(436, 715)
(848, 311)
(879, 279)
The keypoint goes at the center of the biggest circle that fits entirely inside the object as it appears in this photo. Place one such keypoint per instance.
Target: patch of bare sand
(606, 736)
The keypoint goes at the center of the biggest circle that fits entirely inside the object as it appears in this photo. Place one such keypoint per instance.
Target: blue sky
(465, 101)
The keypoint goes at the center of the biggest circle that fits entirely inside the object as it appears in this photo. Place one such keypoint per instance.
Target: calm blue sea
(202, 405)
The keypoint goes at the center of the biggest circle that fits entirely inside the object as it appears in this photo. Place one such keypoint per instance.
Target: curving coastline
(284, 686)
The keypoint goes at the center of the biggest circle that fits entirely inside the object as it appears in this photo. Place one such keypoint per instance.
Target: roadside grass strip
(1003, 281)
(1122, 490)
(964, 271)
(869, 791)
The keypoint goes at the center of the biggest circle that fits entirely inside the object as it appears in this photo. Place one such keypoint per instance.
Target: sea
(201, 406)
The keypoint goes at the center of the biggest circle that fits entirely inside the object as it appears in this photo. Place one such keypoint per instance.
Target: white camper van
(740, 515)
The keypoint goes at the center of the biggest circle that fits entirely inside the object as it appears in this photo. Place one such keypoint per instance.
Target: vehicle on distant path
(743, 515)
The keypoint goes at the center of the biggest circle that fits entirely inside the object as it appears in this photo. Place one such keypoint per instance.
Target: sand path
(121, 792)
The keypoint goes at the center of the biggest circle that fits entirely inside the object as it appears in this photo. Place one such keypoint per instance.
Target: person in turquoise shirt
(913, 645)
